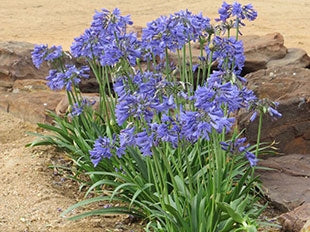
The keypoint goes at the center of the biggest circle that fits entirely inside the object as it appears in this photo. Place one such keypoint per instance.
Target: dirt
(32, 194)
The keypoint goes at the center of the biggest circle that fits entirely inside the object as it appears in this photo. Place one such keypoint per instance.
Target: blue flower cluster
(238, 11)
(42, 53)
(72, 75)
(106, 40)
(239, 146)
(229, 53)
(141, 96)
(148, 99)
(263, 106)
(173, 32)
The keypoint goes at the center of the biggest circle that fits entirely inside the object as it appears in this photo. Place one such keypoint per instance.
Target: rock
(89, 85)
(287, 185)
(290, 87)
(29, 85)
(295, 57)
(295, 220)
(31, 106)
(259, 50)
(16, 63)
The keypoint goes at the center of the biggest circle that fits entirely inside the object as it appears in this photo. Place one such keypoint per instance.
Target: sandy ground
(59, 21)
(33, 195)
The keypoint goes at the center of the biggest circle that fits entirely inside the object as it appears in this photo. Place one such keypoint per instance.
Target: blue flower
(76, 110)
(251, 158)
(145, 142)
(273, 112)
(106, 40)
(126, 138)
(137, 106)
(229, 53)
(238, 146)
(224, 12)
(141, 96)
(260, 106)
(53, 53)
(57, 80)
(166, 131)
(86, 45)
(193, 126)
(78, 107)
(173, 32)
(42, 53)
(38, 54)
(236, 10)
(204, 97)
(102, 149)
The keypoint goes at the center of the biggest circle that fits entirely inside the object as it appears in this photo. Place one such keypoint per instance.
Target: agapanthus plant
(169, 129)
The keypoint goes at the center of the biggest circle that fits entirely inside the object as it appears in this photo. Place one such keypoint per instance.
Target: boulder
(259, 50)
(286, 181)
(16, 63)
(31, 106)
(290, 87)
(295, 221)
(296, 57)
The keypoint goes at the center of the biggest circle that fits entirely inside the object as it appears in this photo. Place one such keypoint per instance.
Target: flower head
(42, 53)
(57, 80)
(173, 32)
(102, 149)
(238, 146)
(238, 11)
(38, 54)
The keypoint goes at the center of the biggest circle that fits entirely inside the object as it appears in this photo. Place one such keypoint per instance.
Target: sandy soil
(58, 22)
(33, 195)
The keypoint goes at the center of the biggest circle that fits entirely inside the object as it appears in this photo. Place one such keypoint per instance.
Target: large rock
(31, 106)
(295, 221)
(291, 88)
(295, 57)
(259, 50)
(287, 183)
(16, 63)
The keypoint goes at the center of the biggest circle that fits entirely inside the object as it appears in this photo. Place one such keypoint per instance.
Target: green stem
(260, 123)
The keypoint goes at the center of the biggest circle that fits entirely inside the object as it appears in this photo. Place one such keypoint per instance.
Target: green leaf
(138, 192)
(111, 210)
(227, 208)
(181, 187)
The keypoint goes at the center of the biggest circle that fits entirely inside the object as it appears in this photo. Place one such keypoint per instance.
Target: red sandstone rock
(295, 220)
(291, 87)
